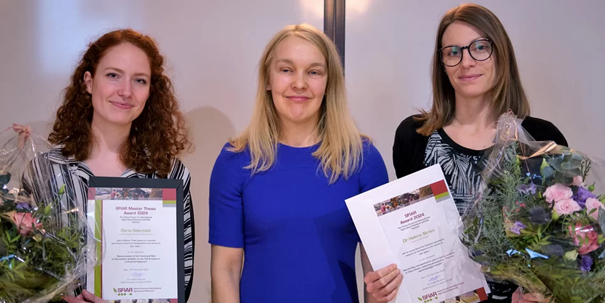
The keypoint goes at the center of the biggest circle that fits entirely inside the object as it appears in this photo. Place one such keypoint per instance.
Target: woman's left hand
(84, 297)
(383, 284)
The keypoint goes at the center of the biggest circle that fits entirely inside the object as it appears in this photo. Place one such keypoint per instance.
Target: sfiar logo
(123, 291)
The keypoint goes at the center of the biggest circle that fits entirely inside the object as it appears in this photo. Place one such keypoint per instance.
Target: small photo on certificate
(129, 193)
(401, 201)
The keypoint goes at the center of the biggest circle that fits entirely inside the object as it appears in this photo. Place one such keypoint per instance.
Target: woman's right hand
(84, 297)
(519, 297)
(384, 283)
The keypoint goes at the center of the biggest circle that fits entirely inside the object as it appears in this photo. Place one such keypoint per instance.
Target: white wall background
(213, 48)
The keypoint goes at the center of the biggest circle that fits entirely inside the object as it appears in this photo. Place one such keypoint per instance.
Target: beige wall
(212, 49)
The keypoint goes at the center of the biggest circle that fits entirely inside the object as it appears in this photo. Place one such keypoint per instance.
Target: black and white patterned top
(55, 165)
(461, 167)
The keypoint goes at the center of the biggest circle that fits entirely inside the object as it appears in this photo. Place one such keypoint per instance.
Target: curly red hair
(157, 136)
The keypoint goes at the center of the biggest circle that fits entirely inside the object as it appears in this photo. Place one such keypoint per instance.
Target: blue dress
(298, 237)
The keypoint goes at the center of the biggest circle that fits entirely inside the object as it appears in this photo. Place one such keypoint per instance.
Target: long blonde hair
(341, 149)
(507, 92)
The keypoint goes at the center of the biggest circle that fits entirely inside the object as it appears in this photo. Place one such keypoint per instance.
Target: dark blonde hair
(159, 133)
(507, 92)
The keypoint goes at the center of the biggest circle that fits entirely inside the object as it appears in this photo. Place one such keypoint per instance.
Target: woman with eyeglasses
(475, 80)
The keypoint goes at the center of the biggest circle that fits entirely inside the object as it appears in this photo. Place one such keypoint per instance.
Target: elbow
(224, 270)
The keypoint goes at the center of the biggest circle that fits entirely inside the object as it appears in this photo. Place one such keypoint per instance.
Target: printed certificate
(413, 222)
(140, 225)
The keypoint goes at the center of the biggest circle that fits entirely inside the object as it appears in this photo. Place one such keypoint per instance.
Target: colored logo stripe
(169, 203)
(98, 235)
(169, 197)
(169, 194)
(482, 294)
(439, 188)
(441, 196)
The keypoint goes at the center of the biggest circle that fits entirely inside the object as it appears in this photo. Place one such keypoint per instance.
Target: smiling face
(298, 77)
(120, 86)
(470, 78)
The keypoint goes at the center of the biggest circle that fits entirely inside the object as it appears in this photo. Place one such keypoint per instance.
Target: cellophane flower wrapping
(539, 220)
(47, 244)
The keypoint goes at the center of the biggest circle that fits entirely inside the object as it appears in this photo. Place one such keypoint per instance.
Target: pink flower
(588, 236)
(577, 181)
(567, 207)
(557, 192)
(592, 203)
(24, 222)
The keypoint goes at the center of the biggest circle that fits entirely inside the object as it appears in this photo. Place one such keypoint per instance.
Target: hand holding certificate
(412, 222)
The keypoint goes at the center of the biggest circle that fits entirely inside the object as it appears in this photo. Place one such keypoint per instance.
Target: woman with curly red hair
(120, 118)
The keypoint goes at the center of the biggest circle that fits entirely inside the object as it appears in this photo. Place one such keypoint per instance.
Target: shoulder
(370, 152)
(229, 157)
(533, 123)
(230, 163)
(407, 139)
(406, 135)
(179, 170)
(369, 149)
(409, 146)
(228, 171)
(53, 157)
(407, 128)
(543, 130)
(371, 155)
(373, 169)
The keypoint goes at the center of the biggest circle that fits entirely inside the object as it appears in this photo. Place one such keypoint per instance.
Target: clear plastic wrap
(539, 218)
(46, 242)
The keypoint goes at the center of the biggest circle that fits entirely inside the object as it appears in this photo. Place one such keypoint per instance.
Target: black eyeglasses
(480, 50)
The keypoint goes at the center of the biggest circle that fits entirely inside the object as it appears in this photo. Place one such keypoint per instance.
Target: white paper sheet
(413, 222)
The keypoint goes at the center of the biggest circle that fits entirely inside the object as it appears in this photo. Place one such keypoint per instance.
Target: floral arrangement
(43, 248)
(538, 222)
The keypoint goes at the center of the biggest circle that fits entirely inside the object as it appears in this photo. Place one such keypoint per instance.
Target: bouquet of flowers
(44, 248)
(539, 219)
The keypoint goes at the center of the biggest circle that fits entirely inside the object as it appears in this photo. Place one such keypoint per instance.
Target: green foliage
(35, 262)
(543, 257)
